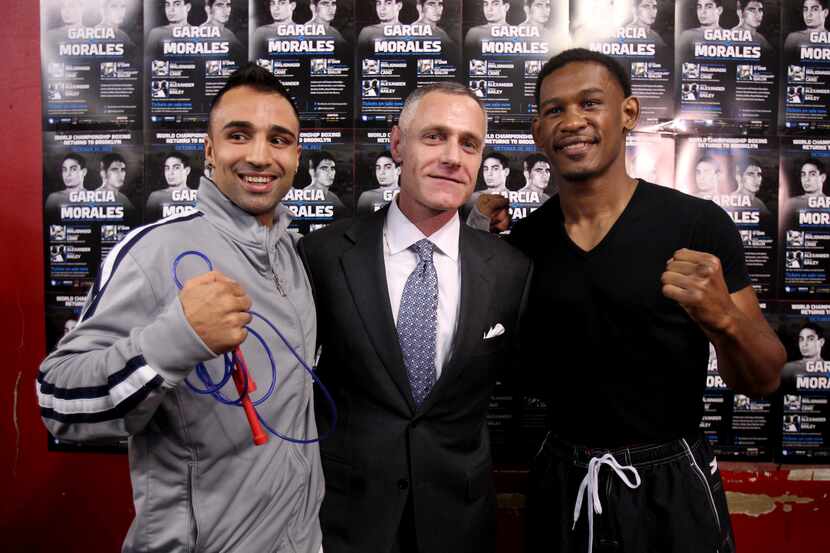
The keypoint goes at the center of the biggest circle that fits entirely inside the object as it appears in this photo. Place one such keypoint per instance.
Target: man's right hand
(217, 309)
(495, 207)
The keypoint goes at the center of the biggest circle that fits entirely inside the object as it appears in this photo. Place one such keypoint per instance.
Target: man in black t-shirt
(632, 281)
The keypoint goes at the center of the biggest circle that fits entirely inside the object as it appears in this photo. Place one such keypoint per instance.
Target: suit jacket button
(403, 484)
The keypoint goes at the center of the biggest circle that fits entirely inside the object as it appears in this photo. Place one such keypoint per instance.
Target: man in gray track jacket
(199, 483)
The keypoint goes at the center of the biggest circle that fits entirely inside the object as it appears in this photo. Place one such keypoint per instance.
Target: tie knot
(424, 250)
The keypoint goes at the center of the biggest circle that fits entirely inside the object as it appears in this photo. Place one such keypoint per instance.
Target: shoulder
(498, 247)
(546, 216)
(173, 232)
(329, 237)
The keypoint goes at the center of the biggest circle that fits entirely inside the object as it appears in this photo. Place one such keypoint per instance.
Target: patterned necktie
(417, 322)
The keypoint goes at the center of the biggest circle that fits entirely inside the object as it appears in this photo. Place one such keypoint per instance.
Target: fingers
(688, 268)
(216, 307)
(678, 294)
(500, 221)
(490, 204)
(693, 256)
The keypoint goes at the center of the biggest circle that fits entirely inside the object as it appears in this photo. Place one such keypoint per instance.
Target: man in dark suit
(417, 316)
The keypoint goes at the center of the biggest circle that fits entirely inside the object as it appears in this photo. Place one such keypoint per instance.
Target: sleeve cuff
(477, 220)
(171, 346)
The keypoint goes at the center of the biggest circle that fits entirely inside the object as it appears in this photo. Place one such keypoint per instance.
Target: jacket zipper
(277, 283)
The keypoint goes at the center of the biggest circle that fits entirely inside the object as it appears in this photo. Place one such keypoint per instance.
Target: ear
(630, 113)
(535, 130)
(299, 151)
(209, 150)
(395, 140)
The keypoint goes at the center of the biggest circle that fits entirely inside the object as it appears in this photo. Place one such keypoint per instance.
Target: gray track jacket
(199, 483)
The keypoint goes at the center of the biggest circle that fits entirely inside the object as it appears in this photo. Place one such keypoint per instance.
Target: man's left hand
(695, 281)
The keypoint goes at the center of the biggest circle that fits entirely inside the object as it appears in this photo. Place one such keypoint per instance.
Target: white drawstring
(590, 486)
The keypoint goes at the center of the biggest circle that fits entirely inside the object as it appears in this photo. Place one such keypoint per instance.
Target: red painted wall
(81, 502)
(50, 501)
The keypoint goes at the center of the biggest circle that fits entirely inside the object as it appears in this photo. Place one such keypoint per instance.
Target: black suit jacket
(383, 448)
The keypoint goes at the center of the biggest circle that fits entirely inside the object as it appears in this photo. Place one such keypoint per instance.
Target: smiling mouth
(446, 178)
(575, 146)
(257, 183)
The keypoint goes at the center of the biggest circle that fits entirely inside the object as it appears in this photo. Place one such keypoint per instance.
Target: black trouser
(679, 507)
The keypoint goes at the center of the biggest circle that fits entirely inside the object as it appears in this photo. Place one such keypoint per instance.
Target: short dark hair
(256, 77)
(178, 155)
(742, 4)
(505, 162)
(316, 157)
(386, 153)
(581, 55)
(745, 162)
(706, 158)
(109, 159)
(814, 327)
(719, 3)
(822, 2)
(534, 158)
(818, 164)
(76, 157)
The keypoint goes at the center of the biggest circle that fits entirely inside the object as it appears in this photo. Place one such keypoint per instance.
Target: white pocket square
(495, 330)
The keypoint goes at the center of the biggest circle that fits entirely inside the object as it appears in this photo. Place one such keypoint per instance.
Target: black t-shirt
(620, 363)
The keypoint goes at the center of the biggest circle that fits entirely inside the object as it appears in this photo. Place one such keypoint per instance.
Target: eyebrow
(446, 130)
(584, 92)
(247, 125)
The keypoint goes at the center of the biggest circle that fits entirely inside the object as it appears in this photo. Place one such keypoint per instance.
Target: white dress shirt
(399, 233)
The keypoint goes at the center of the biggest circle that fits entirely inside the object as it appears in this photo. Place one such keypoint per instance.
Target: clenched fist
(495, 207)
(695, 281)
(217, 309)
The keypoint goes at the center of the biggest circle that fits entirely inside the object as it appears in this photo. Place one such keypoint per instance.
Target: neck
(596, 198)
(266, 219)
(426, 219)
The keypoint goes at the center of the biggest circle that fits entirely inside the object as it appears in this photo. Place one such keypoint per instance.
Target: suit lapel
(475, 299)
(365, 273)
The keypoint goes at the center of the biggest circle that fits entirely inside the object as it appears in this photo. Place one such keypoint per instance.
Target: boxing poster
(191, 47)
(506, 42)
(513, 167)
(402, 46)
(323, 187)
(174, 165)
(376, 172)
(309, 46)
(740, 175)
(804, 218)
(736, 426)
(805, 98)
(91, 64)
(92, 189)
(804, 395)
(727, 59)
(650, 156)
(640, 35)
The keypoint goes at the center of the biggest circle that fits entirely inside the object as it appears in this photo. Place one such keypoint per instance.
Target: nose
(451, 153)
(257, 154)
(573, 120)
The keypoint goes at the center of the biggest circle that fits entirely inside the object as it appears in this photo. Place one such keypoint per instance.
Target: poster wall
(734, 99)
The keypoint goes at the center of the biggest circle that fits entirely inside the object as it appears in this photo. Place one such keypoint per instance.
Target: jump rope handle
(244, 385)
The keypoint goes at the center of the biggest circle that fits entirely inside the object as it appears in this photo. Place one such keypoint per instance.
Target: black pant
(679, 507)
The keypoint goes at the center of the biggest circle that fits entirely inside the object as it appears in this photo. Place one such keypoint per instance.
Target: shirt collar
(401, 233)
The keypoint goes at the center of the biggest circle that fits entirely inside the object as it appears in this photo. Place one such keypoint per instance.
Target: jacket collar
(238, 223)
